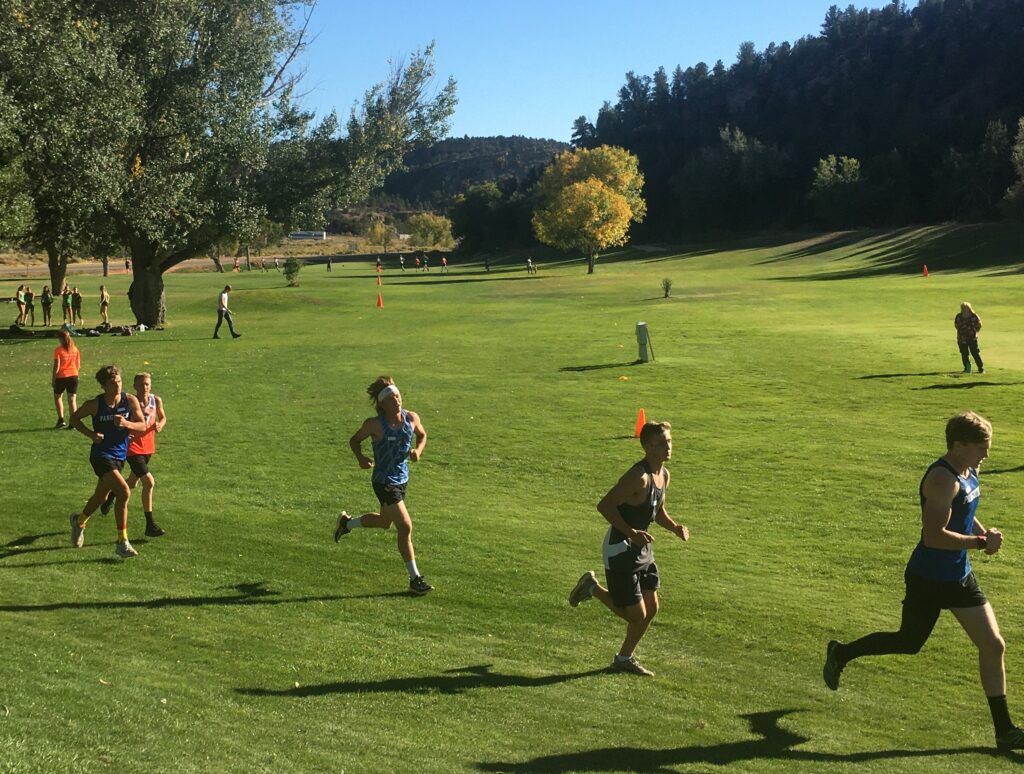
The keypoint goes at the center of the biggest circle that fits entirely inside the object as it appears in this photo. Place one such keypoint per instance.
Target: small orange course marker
(380, 300)
(641, 420)
(925, 272)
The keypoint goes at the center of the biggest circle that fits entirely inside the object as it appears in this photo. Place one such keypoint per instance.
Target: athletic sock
(149, 518)
(410, 565)
(1000, 714)
(356, 522)
(82, 521)
(620, 657)
(123, 535)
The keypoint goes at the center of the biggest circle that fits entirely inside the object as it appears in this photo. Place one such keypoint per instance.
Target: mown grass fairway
(808, 385)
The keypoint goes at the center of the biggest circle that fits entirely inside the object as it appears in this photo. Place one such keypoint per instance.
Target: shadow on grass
(965, 385)
(578, 369)
(19, 430)
(33, 565)
(451, 681)
(1018, 469)
(27, 540)
(772, 743)
(900, 376)
(249, 594)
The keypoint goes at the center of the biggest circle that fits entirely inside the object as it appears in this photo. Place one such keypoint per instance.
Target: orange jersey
(145, 442)
(68, 362)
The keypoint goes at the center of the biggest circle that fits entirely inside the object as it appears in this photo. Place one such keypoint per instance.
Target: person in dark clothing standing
(223, 313)
(968, 324)
(939, 576)
(629, 507)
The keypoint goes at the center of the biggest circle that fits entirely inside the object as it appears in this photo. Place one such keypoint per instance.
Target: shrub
(666, 285)
(292, 267)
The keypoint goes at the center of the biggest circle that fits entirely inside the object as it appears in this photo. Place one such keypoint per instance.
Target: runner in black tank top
(637, 500)
(938, 576)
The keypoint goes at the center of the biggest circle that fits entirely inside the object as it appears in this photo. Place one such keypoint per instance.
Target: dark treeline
(917, 108)
(434, 175)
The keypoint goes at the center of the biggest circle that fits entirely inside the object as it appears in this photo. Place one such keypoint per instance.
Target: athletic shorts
(627, 588)
(62, 383)
(924, 593)
(103, 465)
(389, 494)
(139, 463)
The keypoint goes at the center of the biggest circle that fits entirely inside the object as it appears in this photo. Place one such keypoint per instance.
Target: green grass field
(808, 383)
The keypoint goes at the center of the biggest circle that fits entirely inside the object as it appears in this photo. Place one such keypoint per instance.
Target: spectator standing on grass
(444, 265)
(939, 577)
(30, 307)
(76, 306)
(19, 299)
(329, 264)
(635, 502)
(968, 324)
(223, 313)
(65, 304)
(46, 300)
(105, 304)
(397, 436)
(67, 361)
(401, 262)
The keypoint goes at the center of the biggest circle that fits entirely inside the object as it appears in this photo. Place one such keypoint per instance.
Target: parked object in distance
(321, 235)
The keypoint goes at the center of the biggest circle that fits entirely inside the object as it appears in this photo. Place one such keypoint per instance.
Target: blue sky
(531, 67)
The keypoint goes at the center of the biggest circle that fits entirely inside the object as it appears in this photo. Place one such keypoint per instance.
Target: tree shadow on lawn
(451, 681)
(248, 594)
(773, 743)
(578, 369)
(1018, 469)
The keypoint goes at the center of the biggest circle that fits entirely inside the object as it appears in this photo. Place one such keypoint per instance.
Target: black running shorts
(627, 588)
(103, 465)
(389, 494)
(139, 463)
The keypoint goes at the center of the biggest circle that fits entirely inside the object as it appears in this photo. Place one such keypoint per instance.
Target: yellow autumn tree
(589, 198)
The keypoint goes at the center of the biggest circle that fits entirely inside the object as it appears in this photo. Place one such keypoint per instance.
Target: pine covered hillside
(434, 175)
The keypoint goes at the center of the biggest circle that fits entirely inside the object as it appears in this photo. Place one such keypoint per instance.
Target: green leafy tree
(1013, 203)
(589, 198)
(427, 229)
(838, 193)
(380, 233)
(69, 109)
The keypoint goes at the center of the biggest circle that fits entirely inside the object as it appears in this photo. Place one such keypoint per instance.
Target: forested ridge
(918, 109)
(434, 175)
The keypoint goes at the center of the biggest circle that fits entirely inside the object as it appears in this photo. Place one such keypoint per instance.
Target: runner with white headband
(393, 432)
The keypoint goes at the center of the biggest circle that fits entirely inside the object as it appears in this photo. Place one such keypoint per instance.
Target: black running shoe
(1011, 740)
(107, 505)
(341, 528)
(418, 586)
(832, 668)
(154, 530)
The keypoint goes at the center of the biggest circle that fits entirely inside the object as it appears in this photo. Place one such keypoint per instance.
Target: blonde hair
(140, 376)
(965, 306)
(652, 429)
(968, 427)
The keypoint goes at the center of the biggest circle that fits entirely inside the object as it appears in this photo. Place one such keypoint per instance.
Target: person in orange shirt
(66, 362)
(142, 446)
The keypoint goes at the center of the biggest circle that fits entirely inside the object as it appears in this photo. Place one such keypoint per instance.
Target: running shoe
(832, 668)
(124, 549)
(154, 530)
(1011, 740)
(631, 665)
(418, 586)
(584, 589)
(107, 504)
(60, 423)
(77, 533)
(342, 529)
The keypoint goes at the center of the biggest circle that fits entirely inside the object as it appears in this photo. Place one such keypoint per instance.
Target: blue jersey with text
(940, 564)
(391, 452)
(115, 439)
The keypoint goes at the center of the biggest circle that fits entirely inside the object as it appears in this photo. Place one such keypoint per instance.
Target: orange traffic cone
(925, 272)
(641, 420)
(380, 300)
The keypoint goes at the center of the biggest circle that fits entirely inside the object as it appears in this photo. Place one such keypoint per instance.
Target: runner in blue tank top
(397, 436)
(630, 507)
(114, 414)
(939, 575)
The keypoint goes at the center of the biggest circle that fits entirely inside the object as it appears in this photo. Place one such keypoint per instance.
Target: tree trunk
(58, 268)
(248, 261)
(591, 257)
(146, 293)
(106, 264)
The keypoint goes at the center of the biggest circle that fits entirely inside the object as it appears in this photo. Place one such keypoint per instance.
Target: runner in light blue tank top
(397, 436)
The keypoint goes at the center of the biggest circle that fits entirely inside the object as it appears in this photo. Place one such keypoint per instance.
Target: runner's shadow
(773, 742)
(988, 472)
(900, 376)
(450, 682)
(26, 540)
(966, 385)
(577, 369)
